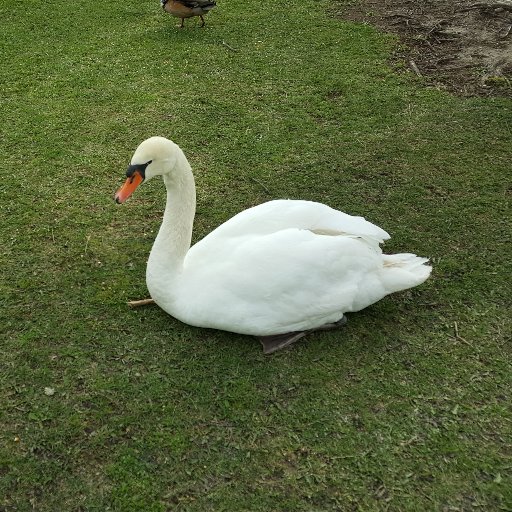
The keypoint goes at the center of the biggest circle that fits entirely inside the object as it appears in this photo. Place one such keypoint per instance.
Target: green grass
(406, 409)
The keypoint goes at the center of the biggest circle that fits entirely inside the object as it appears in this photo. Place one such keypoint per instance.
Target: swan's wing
(292, 279)
(278, 215)
(284, 265)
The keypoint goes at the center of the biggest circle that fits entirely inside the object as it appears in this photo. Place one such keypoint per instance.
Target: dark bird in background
(188, 8)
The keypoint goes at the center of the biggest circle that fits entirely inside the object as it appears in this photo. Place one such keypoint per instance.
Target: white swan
(277, 271)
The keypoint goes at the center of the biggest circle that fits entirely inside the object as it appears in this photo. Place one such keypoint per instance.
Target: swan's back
(274, 216)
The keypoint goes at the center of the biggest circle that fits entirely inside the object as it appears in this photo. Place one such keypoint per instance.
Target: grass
(408, 408)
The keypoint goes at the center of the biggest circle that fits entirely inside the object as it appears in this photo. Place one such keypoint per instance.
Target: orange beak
(129, 187)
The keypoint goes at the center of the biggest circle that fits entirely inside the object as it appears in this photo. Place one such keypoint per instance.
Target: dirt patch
(464, 46)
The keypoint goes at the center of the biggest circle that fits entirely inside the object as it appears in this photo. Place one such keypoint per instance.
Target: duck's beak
(131, 183)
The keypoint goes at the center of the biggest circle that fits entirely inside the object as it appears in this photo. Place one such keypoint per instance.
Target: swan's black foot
(331, 327)
(276, 342)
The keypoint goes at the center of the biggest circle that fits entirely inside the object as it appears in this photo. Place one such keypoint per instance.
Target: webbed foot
(276, 342)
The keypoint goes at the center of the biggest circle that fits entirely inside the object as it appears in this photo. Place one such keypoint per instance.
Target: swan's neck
(175, 234)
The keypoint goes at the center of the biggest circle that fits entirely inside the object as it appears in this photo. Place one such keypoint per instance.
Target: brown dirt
(463, 46)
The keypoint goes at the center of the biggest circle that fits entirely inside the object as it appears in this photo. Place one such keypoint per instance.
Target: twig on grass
(261, 185)
(415, 68)
(143, 302)
(482, 5)
(398, 15)
(87, 244)
(458, 336)
(229, 47)
(435, 27)
(506, 32)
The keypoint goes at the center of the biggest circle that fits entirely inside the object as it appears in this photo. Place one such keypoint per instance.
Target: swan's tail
(402, 271)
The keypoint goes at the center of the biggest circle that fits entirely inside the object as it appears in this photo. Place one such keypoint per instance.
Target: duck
(188, 8)
(277, 271)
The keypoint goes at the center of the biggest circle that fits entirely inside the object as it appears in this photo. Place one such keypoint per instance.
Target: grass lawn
(106, 408)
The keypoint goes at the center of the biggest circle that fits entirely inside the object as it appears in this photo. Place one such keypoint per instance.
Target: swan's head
(155, 156)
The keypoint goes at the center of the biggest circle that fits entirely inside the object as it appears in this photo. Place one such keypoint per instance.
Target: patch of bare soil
(463, 46)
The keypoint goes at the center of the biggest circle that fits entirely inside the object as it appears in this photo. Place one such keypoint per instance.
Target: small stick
(458, 337)
(415, 68)
(137, 303)
(87, 243)
(481, 5)
(436, 26)
(397, 15)
(506, 32)
(261, 185)
(229, 47)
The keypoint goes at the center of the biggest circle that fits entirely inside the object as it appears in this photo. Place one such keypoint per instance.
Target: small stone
(49, 391)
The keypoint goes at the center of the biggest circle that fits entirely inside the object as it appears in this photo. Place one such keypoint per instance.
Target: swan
(278, 271)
